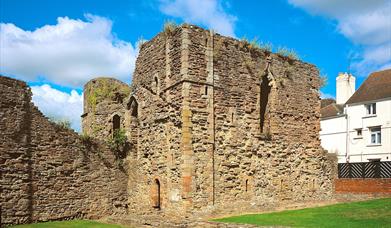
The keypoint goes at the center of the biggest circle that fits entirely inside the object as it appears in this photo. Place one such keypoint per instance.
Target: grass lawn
(69, 224)
(373, 213)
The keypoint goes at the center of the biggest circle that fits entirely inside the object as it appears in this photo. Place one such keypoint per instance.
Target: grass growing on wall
(373, 213)
(104, 90)
(69, 224)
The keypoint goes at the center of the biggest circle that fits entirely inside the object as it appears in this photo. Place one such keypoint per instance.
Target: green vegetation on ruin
(118, 143)
(69, 224)
(287, 52)
(169, 27)
(63, 123)
(105, 90)
(268, 47)
(373, 213)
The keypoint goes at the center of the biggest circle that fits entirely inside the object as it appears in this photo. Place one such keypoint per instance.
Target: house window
(371, 109)
(359, 132)
(375, 135)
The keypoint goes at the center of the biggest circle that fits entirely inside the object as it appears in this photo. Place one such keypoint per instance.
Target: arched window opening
(264, 101)
(206, 90)
(246, 185)
(132, 125)
(134, 109)
(116, 123)
(232, 117)
(156, 198)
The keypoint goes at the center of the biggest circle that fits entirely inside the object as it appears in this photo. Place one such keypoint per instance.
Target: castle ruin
(213, 123)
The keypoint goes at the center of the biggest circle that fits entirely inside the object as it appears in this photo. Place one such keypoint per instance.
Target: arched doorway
(157, 196)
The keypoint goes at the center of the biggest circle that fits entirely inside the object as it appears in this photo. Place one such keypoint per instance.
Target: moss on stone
(105, 90)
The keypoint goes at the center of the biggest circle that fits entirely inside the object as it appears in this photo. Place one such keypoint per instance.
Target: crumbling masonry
(213, 124)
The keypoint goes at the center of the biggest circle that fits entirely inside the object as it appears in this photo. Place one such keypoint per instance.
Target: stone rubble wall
(47, 171)
(196, 135)
(103, 98)
(199, 129)
(158, 154)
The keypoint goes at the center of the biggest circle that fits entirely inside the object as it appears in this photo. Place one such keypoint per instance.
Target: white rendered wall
(333, 135)
(346, 86)
(360, 149)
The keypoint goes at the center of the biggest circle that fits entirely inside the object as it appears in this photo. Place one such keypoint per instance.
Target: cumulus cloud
(209, 13)
(366, 23)
(68, 53)
(59, 105)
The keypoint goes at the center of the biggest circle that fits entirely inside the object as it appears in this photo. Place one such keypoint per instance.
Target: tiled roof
(331, 110)
(326, 101)
(376, 86)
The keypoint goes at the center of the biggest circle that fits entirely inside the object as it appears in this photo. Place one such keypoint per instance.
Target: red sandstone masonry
(363, 186)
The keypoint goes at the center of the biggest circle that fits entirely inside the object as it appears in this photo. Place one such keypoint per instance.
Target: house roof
(326, 101)
(331, 110)
(376, 86)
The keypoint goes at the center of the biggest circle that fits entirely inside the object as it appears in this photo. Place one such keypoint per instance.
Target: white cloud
(58, 104)
(366, 23)
(209, 13)
(69, 53)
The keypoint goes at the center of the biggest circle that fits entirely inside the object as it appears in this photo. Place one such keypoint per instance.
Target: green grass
(373, 213)
(69, 224)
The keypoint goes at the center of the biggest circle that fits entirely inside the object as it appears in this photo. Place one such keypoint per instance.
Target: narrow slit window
(264, 104)
(116, 123)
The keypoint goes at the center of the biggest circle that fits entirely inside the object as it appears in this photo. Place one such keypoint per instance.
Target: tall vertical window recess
(156, 195)
(116, 123)
(375, 135)
(133, 108)
(264, 105)
(371, 109)
(156, 82)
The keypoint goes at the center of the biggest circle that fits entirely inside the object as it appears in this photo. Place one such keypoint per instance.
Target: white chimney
(346, 86)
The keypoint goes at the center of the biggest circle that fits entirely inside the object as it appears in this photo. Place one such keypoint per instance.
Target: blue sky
(56, 46)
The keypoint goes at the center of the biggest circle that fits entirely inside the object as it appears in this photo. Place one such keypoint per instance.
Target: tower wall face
(103, 99)
(200, 133)
(213, 122)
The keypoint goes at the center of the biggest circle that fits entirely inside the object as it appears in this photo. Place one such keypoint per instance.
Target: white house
(358, 126)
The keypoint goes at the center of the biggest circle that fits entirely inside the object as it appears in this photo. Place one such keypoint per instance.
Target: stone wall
(104, 99)
(217, 125)
(235, 162)
(49, 172)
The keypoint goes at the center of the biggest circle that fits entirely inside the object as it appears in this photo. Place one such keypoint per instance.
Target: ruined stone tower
(215, 123)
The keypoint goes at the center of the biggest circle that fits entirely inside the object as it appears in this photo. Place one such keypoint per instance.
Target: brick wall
(364, 186)
(48, 172)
